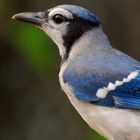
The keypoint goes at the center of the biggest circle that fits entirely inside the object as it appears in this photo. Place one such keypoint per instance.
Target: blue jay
(102, 83)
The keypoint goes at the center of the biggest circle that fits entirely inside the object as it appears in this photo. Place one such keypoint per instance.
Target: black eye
(58, 18)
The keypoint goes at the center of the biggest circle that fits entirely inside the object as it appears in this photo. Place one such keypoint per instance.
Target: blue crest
(81, 13)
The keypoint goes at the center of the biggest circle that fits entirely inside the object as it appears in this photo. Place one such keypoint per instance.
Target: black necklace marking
(76, 28)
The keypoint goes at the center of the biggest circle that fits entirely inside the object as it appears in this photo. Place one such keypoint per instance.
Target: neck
(94, 38)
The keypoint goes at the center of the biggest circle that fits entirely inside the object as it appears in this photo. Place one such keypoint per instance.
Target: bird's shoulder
(106, 78)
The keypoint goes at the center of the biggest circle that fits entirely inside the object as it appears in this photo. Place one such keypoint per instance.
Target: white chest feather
(113, 123)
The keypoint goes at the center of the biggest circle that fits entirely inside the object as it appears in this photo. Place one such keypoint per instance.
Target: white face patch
(56, 36)
(102, 92)
(57, 31)
(60, 11)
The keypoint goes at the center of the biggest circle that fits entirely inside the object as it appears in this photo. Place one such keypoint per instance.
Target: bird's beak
(36, 18)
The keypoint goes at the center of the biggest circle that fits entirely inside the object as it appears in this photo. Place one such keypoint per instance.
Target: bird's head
(65, 24)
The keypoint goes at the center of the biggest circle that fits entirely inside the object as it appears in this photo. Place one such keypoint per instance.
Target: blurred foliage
(34, 46)
(94, 136)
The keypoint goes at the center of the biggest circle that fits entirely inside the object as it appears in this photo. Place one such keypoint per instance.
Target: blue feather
(128, 95)
(81, 12)
(85, 76)
(127, 102)
(125, 96)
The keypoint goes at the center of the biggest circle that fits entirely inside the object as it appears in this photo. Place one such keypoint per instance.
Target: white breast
(113, 123)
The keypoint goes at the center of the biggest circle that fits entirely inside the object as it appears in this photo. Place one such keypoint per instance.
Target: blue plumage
(81, 12)
(128, 94)
(85, 88)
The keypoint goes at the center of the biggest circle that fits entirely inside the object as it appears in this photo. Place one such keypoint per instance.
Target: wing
(106, 85)
(127, 95)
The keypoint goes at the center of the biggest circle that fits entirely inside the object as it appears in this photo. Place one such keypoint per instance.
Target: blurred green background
(32, 104)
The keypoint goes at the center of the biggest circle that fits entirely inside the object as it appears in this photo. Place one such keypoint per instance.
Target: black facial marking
(76, 28)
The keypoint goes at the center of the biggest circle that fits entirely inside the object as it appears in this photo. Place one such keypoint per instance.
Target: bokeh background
(32, 104)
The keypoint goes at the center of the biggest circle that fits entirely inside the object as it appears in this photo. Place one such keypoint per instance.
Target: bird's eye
(58, 18)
